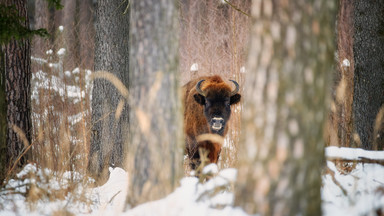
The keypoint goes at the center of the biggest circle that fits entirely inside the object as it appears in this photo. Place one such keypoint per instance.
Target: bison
(207, 108)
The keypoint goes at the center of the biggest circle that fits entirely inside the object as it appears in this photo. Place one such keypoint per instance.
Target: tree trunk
(41, 20)
(17, 89)
(112, 55)
(282, 149)
(155, 147)
(85, 31)
(3, 121)
(340, 131)
(70, 23)
(368, 51)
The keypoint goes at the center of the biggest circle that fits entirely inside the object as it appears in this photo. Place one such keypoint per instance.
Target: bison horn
(198, 89)
(237, 87)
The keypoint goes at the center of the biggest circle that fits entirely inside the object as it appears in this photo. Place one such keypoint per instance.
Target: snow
(61, 51)
(40, 61)
(76, 71)
(210, 169)
(68, 73)
(353, 153)
(346, 63)
(194, 198)
(349, 188)
(242, 69)
(194, 67)
(354, 193)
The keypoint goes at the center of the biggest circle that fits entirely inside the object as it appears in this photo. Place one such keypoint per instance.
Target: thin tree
(340, 128)
(17, 89)
(282, 149)
(154, 158)
(111, 55)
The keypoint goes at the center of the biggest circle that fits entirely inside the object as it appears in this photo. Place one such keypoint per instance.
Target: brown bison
(207, 104)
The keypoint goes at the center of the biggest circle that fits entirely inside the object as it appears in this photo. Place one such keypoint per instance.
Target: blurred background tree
(285, 103)
(155, 151)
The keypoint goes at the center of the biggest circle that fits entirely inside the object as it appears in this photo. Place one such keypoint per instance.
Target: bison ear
(235, 99)
(200, 99)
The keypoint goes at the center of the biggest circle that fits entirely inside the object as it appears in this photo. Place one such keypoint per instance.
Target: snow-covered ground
(356, 187)
(349, 188)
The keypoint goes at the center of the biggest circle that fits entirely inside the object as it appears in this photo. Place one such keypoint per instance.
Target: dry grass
(214, 37)
(341, 122)
(60, 106)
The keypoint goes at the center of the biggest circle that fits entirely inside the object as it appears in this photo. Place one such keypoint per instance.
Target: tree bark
(340, 131)
(85, 31)
(112, 55)
(368, 51)
(3, 121)
(286, 91)
(17, 89)
(155, 147)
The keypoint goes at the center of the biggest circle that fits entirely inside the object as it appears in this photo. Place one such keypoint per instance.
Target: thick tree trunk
(368, 50)
(155, 147)
(290, 63)
(17, 88)
(112, 55)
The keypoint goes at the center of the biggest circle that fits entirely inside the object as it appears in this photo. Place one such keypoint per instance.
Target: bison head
(217, 99)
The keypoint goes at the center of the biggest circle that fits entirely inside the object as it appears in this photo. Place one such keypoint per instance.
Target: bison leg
(207, 151)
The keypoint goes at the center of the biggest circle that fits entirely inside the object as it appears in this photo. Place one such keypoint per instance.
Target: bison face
(217, 106)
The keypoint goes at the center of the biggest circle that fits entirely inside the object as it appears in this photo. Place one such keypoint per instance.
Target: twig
(359, 160)
(21, 135)
(234, 7)
(110, 201)
(332, 174)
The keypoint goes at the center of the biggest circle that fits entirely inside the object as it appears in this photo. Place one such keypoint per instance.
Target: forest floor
(349, 188)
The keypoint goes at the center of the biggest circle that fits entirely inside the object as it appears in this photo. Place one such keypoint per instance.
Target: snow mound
(214, 197)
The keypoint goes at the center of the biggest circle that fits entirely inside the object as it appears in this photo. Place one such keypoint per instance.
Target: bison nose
(217, 123)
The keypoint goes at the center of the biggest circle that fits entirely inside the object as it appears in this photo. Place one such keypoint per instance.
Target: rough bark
(17, 89)
(155, 147)
(3, 121)
(112, 55)
(282, 149)
(368, 51)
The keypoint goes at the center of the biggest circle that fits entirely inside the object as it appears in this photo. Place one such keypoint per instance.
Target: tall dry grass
(60, 103)
(214, 39)
(214, 36)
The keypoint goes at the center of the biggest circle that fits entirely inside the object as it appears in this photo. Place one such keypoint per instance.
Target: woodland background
(311, 76)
